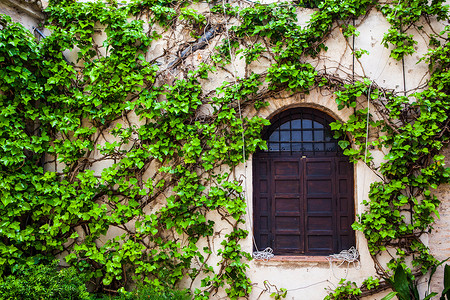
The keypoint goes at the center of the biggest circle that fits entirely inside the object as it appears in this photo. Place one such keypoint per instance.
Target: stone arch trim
(315, 99)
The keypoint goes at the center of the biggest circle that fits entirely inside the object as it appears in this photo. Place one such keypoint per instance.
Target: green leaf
(389, 296)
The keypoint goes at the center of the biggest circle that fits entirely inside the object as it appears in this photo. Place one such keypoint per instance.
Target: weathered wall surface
(439, 240)
(307, 277)
(27, 13)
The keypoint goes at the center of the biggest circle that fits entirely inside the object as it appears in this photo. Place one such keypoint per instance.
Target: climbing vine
(121, 160)
(415, 130)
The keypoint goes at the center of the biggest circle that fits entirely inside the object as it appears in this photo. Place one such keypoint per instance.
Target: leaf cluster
(107, 143)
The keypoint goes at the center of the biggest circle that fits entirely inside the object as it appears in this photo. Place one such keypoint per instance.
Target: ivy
(401, 207)
(167, 166)
(345, 290)
(403, 16)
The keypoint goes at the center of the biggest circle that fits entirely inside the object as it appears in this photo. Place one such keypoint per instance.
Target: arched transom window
(305, 131)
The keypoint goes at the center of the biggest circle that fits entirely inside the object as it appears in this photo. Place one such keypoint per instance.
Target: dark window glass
(275, 136)
(285, 136)
(286, 125)
(307, 135)
(296, 136)
(296, 124)
(318, 135)
(300, 131)
(306, 124)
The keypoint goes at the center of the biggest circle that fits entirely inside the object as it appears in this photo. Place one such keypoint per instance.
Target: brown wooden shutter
(303, 205)
(319, 205)
(345, 211)
(262, 202)
(287, 210)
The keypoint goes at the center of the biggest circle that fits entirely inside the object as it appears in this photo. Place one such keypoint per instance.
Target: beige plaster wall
(308, 278)
(28, 15)
(439, 240)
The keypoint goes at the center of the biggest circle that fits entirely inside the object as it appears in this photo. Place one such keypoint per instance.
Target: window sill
(295, 258)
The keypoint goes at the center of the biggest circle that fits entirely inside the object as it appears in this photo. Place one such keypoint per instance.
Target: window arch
(303, 200)
(302, 130)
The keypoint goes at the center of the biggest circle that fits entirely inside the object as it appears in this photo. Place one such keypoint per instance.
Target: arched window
(303, 187)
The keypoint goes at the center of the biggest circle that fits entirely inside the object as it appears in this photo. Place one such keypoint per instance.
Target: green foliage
(360, 53)
(44, 282)
(345, 290)
(356, 125)
(402, 16)
(148, 292)
(195, 19)
(371, 283)
(47, 212)
(405, 285)
(192, 16)
(291, 76)
(402, 206)
(412, 167)
(349, 290)
(403, 43)
(446, 291)
(252, 53)
(223, 52)
(165, 174)
(308, 3)
(281, 294)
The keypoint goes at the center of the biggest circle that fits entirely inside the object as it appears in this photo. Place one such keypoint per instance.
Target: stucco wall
(307, 278)
(26, 13)
(439, 240)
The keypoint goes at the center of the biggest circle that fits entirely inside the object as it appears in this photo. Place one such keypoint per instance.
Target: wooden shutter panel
(287, 211)
(345, 204)
(261, 203)
(320, 205)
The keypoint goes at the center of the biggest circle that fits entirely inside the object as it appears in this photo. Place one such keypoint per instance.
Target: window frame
(343, 237)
